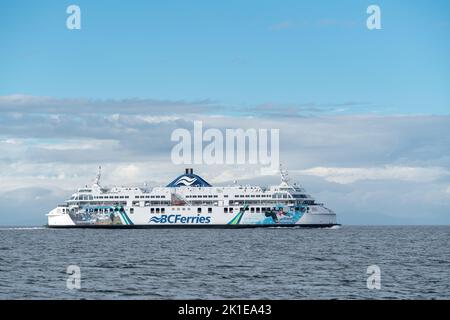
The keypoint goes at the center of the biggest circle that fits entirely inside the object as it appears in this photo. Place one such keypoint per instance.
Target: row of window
(111, 197)
(253, 209)
(252, 196)
(149, 197)
(226, 196)
(118, 197)
(209, 210)
(260, 201)
(150, 203)
(163, 210)
(202, 196)
(275, 196)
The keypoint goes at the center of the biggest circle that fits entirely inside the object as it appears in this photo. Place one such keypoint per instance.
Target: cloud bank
(368, 168)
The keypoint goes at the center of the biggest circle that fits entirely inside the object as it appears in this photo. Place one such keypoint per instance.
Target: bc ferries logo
(177, 218)
(186, 181)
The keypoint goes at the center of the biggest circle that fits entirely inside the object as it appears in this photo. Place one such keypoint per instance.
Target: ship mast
(98, 177)
(284, 176)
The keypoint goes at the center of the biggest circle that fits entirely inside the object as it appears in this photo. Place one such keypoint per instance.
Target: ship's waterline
(190, 201)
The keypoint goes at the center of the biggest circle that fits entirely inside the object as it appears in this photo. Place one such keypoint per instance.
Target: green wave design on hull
(125, 217)
(238, 217)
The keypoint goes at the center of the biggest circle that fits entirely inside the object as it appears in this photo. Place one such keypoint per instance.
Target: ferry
(190, 201)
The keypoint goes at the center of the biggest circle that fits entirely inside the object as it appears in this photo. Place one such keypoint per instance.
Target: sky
(363, 114)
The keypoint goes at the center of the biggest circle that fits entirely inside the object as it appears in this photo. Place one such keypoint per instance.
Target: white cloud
(350, 162)
(86, 144)
(19, 103)
(160, 119)
(283, 25)
(351, 175)
(11, 141)
(23, 99)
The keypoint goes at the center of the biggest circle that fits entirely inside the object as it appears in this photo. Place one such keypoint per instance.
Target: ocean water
(271, 263)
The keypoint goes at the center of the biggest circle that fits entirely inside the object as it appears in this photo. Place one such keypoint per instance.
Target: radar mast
(284, 176)
(98, 177)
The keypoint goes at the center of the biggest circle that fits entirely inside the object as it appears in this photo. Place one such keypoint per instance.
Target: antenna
(98, 177)
(284, 175)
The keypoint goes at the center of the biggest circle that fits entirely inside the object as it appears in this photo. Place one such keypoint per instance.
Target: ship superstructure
(190, 201)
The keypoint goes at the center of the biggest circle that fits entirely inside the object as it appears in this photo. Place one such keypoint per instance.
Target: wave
(333, 227)
(23, 228)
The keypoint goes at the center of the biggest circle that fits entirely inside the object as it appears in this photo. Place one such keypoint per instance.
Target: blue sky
(239, 53)
(363, 115)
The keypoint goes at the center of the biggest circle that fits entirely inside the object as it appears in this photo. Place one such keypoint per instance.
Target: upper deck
(190, 189)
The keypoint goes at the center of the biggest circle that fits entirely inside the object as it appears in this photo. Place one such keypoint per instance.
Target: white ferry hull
(190, 201)
(188, 217)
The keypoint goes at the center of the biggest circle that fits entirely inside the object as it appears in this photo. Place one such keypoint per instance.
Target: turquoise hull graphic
(101, 215)
(125, 217)
(276, 215)
(237, 219)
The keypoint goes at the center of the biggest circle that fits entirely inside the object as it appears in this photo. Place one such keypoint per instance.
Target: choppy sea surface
(268, 263)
